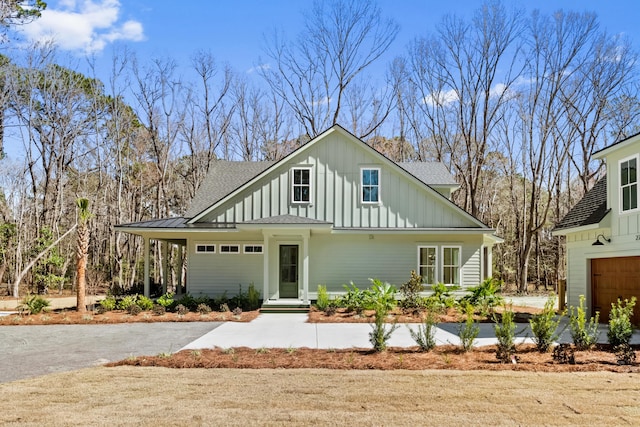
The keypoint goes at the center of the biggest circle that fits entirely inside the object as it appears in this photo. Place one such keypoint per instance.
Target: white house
(603, 233)
(333, 211)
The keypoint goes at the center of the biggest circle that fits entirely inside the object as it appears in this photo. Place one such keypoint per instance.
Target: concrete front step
(285, 308)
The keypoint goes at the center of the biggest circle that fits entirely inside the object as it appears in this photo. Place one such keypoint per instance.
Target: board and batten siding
(627, 223)
(340, 259)
(335, 193)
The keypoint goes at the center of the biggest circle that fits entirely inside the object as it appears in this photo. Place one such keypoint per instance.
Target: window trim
(435, 266)
(205, 245)
(620, 186)
(293, 185)
(443, 266)
(379, 185)
(257, 245)
(229, 245)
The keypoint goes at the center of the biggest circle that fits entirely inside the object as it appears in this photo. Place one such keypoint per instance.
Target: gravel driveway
(29, 351)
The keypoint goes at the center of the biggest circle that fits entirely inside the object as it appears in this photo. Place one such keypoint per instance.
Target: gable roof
(355, 139)
(591, 209)
(223, 177)
(431, 173)
(615, 146)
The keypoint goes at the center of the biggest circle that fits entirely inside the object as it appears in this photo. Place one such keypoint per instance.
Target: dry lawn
(160, 396)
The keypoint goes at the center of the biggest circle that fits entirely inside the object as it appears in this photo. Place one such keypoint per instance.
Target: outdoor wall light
(598, 242)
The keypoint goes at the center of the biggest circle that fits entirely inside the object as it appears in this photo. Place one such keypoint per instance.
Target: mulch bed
(442, 357)
(66, 317)
(410, 316)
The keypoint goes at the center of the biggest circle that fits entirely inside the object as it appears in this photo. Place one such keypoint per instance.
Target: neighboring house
(333, 211)
(603, 233)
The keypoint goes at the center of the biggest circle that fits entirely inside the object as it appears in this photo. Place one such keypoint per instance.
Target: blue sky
(233, 30)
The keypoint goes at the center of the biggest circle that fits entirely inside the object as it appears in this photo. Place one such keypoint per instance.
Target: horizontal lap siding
(338, 259)
(213, 274)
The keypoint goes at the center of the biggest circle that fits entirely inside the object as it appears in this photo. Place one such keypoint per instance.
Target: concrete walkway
(293, 331)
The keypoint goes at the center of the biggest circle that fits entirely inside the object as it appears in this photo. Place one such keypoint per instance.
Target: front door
(288, 271)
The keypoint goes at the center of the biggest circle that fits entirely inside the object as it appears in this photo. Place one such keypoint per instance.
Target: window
(370, 185)
(451, 265)
(427, 263)
(252, 249)
(629, 184)
(205, 248)
(301, 188)
(229, 249)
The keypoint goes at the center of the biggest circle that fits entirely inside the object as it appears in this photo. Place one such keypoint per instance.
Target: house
(603, 233)
(333, 211)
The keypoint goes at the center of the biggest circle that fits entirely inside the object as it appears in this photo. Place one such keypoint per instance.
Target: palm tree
(82, 250)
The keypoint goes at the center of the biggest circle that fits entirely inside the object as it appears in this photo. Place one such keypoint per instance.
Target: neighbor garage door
(613, 278)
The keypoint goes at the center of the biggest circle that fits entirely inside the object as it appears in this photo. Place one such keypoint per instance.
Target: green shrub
(381, 295)
(126, 302)
(425, 337)
(583, 332)
(355, 299)
(253, 297)
(441, 298)
(222, 300)
(188, 301)
(505, 332)
(322, 301)
(410, 292)
(484, 297)
(468, 330)
(165, 300)
(145, 303)
(381, 333)
(620, 328)
(34, 304)
(108, 304)
(544, 326)
(240, 300)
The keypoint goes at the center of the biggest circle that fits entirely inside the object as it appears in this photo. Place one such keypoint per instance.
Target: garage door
(613, 278)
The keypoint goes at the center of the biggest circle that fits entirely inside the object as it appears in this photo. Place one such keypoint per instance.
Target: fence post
(562, 292)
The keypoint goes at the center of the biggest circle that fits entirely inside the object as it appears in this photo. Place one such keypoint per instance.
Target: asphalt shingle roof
(223, 177)
(431, 173)
(589, 210)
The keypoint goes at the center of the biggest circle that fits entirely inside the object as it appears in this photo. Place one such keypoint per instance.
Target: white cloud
(83, 25)
(441, 98)
(257, 68)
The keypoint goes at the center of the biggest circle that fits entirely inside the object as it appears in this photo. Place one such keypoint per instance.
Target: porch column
(305, 267)
(265, 269)
(146, 266)
(180, 270)
(165, 266)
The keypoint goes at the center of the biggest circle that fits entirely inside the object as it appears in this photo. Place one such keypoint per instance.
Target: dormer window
(370, 178)
(301, 185)
(629, 184)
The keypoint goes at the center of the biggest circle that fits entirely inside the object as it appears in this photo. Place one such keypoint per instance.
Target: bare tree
(463, 79)
(341, 39)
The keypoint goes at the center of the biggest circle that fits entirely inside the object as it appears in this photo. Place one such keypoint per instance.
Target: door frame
(297, 264)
